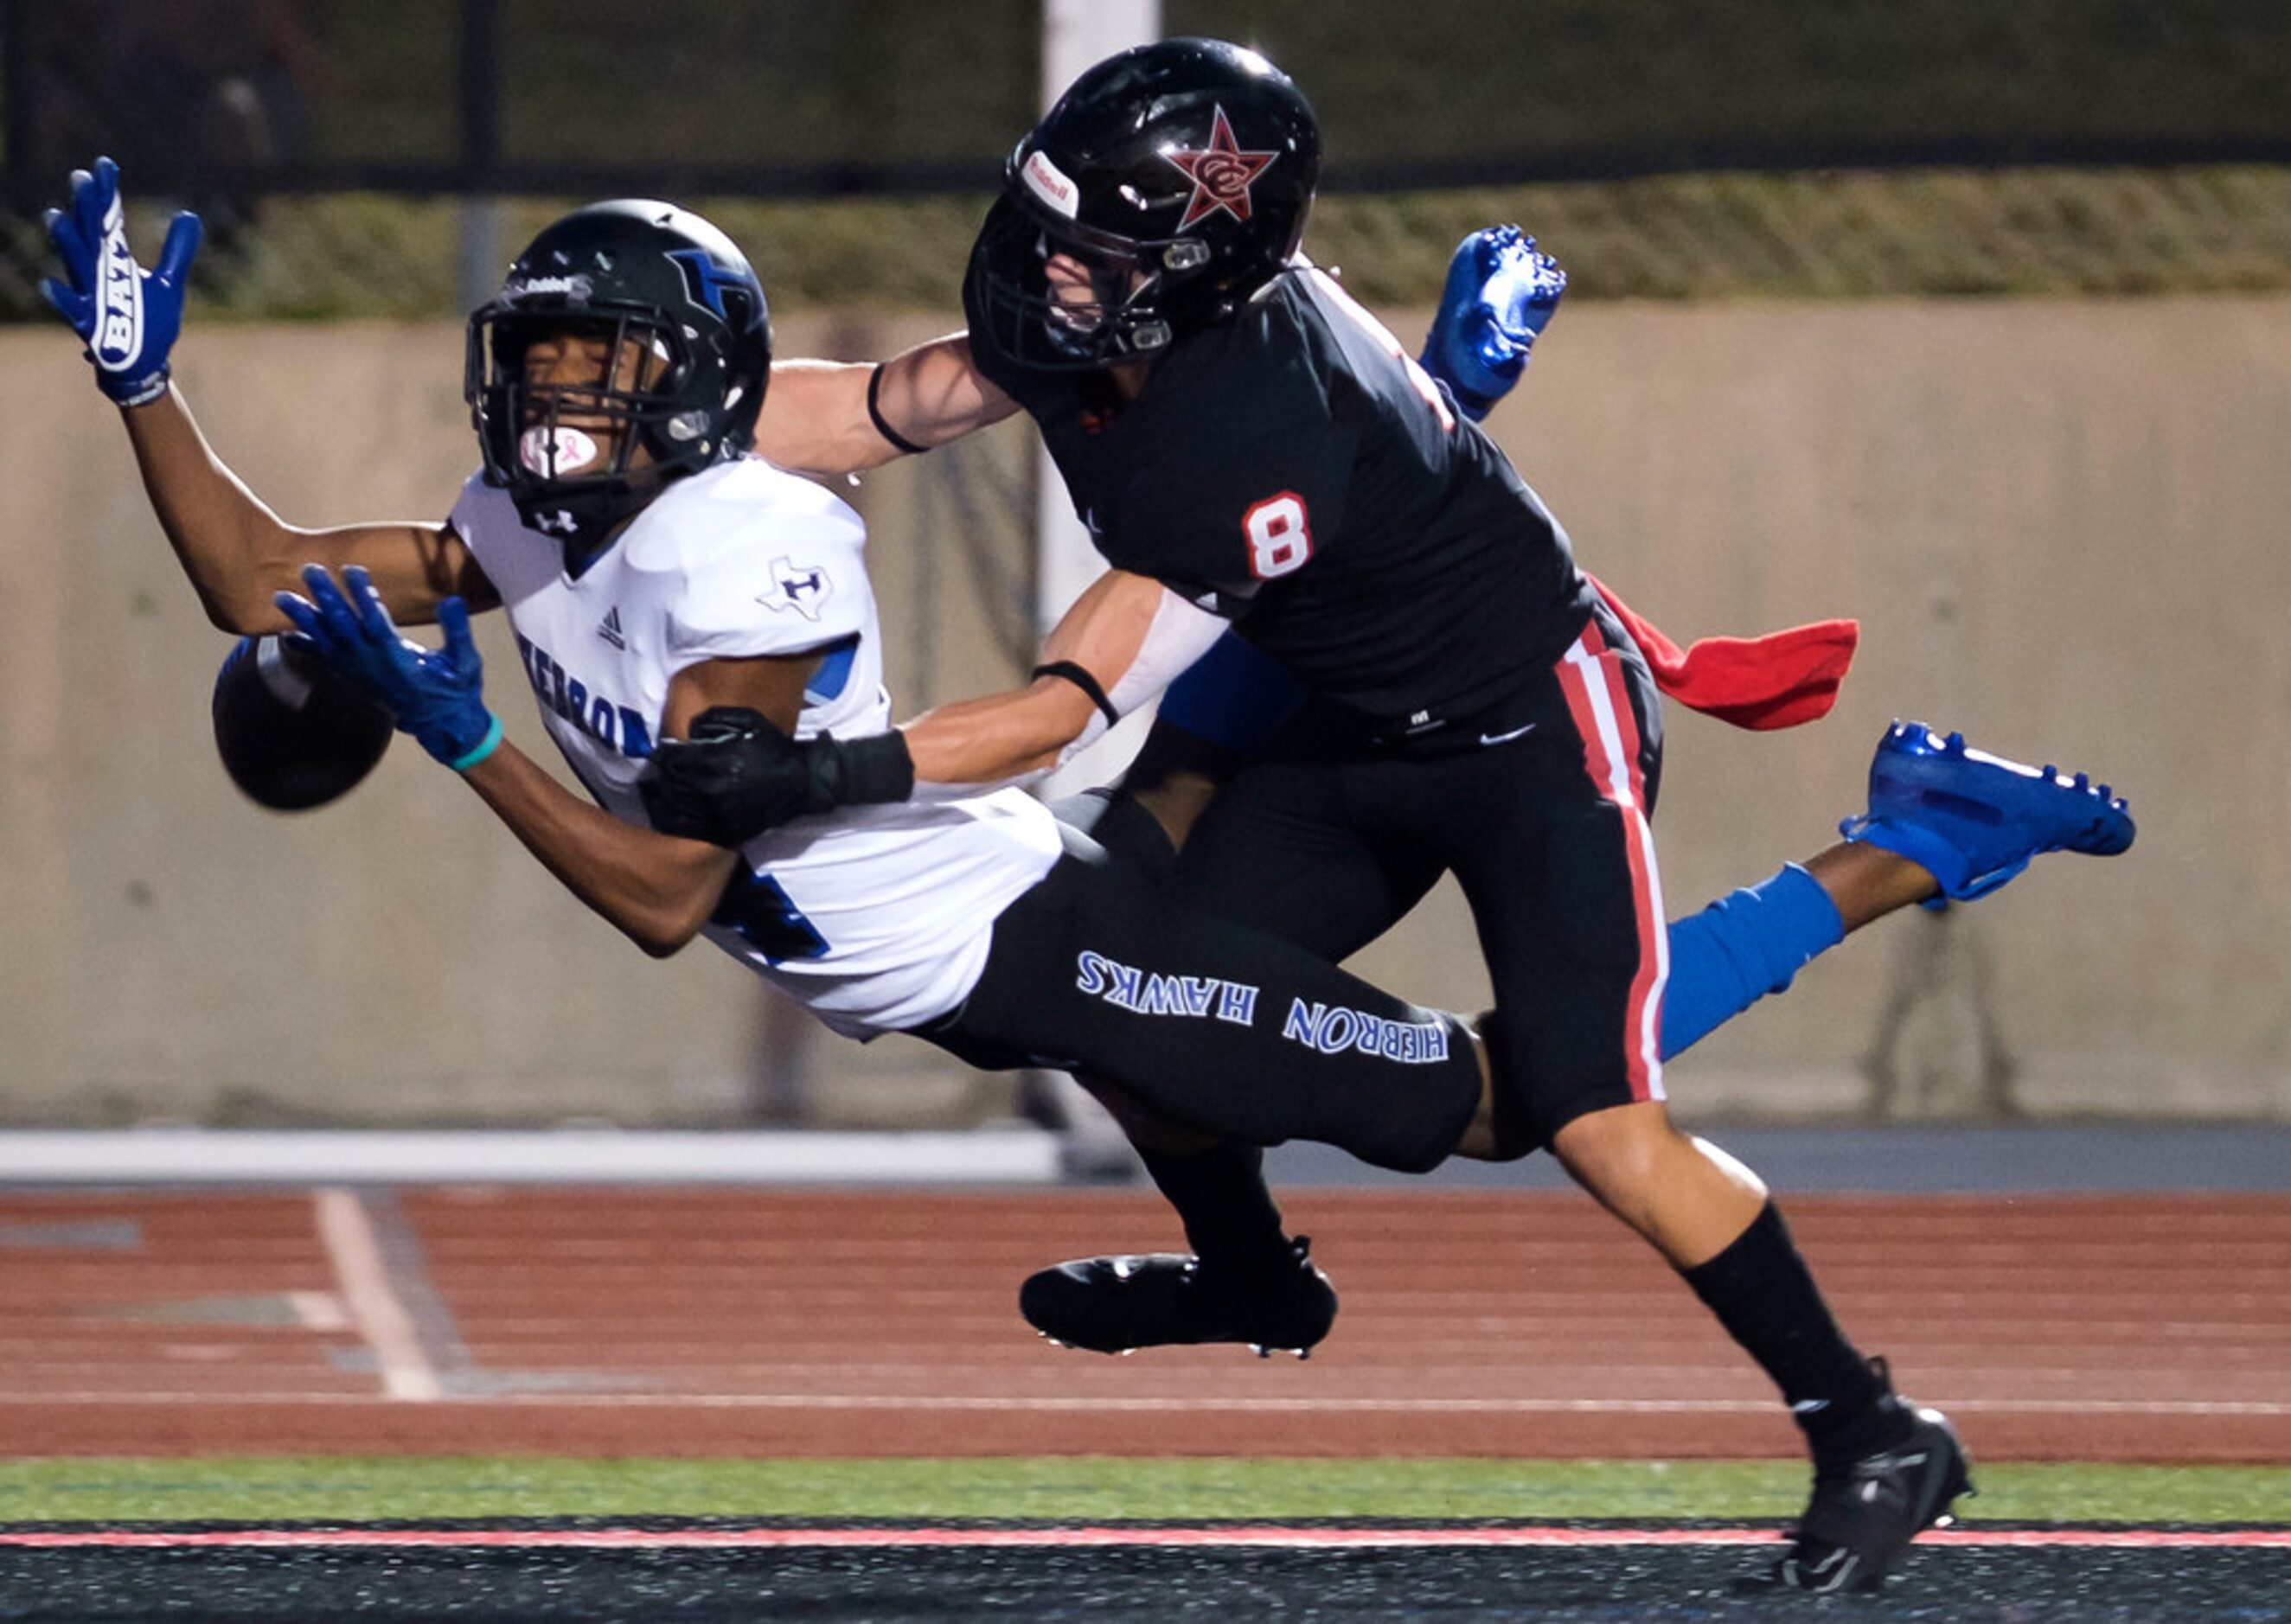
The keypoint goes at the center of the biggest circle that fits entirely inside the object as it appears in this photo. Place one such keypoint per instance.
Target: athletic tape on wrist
(153, 388)
(483, 748)
(875, 416)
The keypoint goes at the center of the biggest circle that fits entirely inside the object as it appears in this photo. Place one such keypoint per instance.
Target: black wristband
(1068, 671)
(865, 771)
(875, 416)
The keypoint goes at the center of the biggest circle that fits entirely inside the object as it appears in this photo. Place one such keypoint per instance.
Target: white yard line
(381, 1318)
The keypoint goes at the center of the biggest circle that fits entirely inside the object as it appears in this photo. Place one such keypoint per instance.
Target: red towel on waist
(1777, 680)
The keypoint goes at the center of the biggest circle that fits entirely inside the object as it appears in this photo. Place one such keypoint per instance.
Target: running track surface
(620, 1323)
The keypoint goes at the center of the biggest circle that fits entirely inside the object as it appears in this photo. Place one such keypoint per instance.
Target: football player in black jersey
(1234, 428)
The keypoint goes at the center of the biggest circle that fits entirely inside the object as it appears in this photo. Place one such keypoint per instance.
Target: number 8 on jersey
(1279, 540)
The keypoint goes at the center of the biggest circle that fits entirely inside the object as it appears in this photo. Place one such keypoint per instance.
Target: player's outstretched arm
(1121, 644)
(1126, 639)
(237, 552)
(239, 555)
(656, 889)
(836, 417)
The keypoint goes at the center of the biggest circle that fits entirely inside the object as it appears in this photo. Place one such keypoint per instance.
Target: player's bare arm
(658, 891)
(1122, 642)
(239, 555)
(839, 417)
(655, 888)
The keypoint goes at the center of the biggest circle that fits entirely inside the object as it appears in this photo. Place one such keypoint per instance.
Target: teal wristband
(483, 748)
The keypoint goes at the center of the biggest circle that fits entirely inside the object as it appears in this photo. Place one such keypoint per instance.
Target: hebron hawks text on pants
(1327, 1028)
(1331, 1028)
(1125, 987)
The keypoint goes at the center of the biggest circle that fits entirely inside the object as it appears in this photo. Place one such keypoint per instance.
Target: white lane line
(382, 1320)
(319, 1311)
(2196, 1408)
(552, 1156)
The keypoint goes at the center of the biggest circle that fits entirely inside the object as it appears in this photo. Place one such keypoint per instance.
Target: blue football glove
(1501, 293)
(435, 694)
(127, 316)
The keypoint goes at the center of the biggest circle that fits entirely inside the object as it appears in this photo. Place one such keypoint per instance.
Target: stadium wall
(2059, 522)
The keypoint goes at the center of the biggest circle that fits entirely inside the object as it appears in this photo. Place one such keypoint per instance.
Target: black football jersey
(1295, 470)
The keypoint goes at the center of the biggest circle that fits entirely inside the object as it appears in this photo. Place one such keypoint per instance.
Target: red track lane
(620, 1322)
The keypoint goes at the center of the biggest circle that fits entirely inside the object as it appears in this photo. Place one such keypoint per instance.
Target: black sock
(1221, 1195)
(1763, 1293)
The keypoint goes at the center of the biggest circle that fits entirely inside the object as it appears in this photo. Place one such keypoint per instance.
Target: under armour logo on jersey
(609, 628)
(1222, 174)
(559, 523)
(804, 588)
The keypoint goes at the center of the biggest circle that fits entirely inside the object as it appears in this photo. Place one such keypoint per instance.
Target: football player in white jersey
(653, 572)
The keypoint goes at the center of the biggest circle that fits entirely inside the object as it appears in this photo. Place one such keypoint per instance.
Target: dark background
(771, 98)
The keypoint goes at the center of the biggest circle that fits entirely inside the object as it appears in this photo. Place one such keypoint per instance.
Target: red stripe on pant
(1611, 756)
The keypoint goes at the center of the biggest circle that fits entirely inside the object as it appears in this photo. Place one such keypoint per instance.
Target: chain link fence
(1859, 234)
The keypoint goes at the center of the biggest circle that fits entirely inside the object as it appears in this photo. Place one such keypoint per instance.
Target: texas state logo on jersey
(876, 917)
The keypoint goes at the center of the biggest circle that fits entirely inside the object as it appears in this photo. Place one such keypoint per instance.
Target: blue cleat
(1974, 820)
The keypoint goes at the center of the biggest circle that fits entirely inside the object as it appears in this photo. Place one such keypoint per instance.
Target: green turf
(1066, 1490)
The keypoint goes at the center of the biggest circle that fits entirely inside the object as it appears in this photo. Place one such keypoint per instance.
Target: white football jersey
(875, 918)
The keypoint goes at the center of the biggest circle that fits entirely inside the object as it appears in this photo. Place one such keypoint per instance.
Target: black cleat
(1160, 1299)
(1864, 1513)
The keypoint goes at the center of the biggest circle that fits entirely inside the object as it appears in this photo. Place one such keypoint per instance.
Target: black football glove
(737, 775)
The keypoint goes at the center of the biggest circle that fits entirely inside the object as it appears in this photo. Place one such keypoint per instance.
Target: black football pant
(1539, 807)
(1216, 1026)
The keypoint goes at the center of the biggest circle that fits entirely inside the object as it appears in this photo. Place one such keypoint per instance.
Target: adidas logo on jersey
(609, 628)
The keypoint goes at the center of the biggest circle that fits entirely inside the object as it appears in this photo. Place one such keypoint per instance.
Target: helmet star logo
(1222, 174)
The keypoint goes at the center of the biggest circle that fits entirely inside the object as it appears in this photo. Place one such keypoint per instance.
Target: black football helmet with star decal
(1175, 177)
(659, 287)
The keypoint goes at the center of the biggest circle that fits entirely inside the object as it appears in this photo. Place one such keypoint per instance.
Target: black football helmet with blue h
(631, 272)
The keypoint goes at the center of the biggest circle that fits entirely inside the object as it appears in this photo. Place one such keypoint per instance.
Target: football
(292, 735)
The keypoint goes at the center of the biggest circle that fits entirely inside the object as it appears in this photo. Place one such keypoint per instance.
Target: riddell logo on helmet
(575, 288)
(1222, 174)
(1046, 181)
